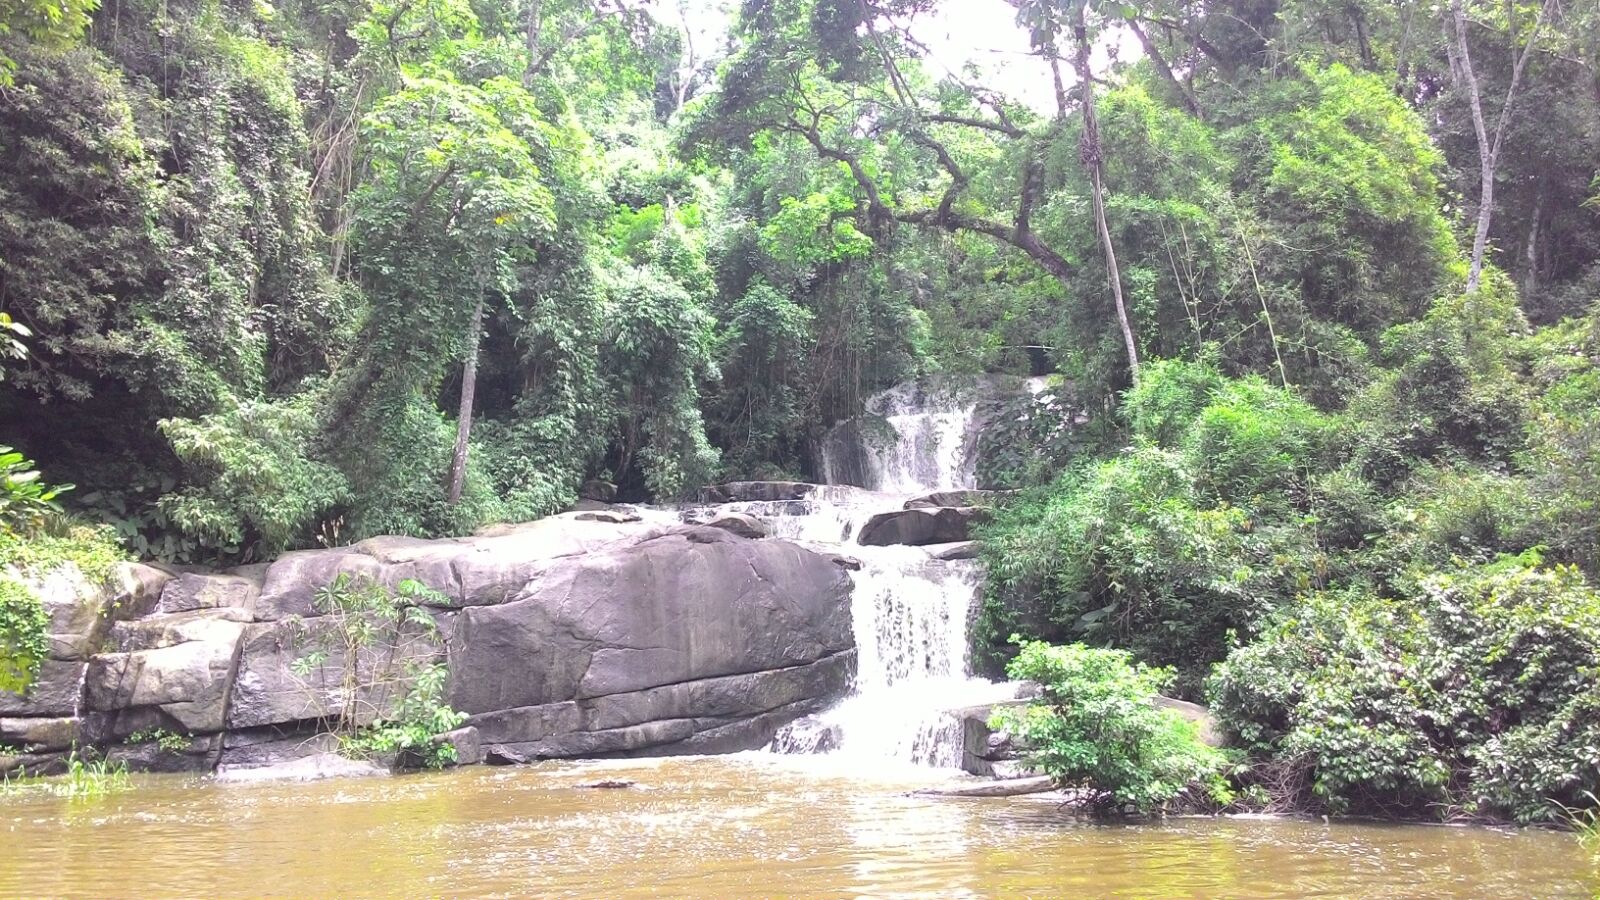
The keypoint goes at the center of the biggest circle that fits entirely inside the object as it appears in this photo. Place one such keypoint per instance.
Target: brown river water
(745, 826)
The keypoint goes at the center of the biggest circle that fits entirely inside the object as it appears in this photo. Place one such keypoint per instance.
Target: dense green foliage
(281, 276)
(1096, 727)
(1474, 692)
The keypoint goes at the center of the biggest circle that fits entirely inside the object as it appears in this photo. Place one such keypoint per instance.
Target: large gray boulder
(486, 568)
(55, 691)
(919, 527)
(655, 643)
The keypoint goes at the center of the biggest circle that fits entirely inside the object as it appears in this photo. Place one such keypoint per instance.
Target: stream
(735, 826)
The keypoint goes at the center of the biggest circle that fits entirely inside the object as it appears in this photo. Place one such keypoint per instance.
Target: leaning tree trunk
(469, 390)
(1089, 151)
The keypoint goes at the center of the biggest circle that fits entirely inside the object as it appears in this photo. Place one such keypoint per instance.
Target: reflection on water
(752, 825)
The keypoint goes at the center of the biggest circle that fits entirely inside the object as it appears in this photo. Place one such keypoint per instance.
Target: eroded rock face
(919, 527)
(578, 635)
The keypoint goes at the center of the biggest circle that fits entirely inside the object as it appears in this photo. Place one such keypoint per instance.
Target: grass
(84, 779)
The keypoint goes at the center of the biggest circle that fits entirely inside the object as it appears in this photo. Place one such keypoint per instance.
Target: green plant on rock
(165, 740)
(24, 638)
(1097, 727)
(369, 670)
(414, 726)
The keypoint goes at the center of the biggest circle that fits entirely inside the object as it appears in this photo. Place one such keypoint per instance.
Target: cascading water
(910, 610)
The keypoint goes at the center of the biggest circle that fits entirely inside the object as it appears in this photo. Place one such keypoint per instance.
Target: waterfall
(910, 611)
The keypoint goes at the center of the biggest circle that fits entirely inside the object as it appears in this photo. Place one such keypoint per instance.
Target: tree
(843, 78)
(52, 24)
(1489, 148)
(453, 196)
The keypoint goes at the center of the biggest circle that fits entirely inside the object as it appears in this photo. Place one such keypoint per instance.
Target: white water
(910, 611)
(908, 443)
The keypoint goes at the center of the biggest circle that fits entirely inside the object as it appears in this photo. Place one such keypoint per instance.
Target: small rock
(608, 784)
(849, 563)
(501, 755)
(738, 523)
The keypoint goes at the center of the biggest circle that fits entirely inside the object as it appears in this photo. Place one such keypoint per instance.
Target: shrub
(1097, 727)
(1168, 547)
(372, 646)
(254, 490)
(24, 500)
(1473, 694)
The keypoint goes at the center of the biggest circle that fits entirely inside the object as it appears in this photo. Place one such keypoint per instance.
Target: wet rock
(757, 491)
(952, 498)
(956, 551)
(39, 735)
(740, 524)
(609, 516)
(808, 736)
(197, 754)
(609, 784)
(849, 563)
(598, 490)
(250, 748)
(921, 526)
(1011, 787)
(468, 747)
(501, 755)
(310, 768)
(52, 763)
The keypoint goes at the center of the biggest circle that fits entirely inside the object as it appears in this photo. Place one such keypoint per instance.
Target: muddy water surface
(745, 826)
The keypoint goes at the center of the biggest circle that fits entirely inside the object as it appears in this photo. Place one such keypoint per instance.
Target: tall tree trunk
(1488, 149)
(535, 23)
(1090, 152)
(1530, 279)
(469, 391)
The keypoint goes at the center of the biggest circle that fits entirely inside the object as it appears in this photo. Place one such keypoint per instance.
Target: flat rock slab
(952, 552)
(1011, 787)
(308, 768)
(952, 498)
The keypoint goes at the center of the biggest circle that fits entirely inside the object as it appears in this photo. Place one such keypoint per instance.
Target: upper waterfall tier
(916, 436)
